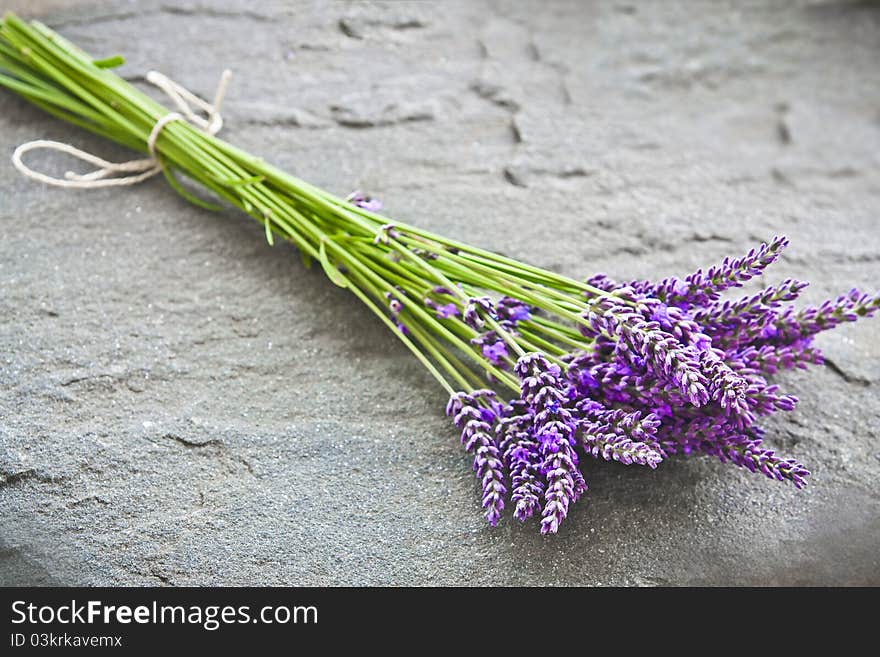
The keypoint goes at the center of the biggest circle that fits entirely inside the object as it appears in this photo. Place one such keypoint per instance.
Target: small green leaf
(269, 237)
(306, 259)
(237, 182)
(332, 272)
(109, 62)
(177, 187)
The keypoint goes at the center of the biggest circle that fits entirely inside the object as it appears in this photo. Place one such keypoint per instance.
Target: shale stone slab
(181, 404)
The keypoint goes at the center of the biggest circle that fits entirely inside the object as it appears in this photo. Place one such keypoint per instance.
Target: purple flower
(628, 383)
(495, 351)
(385, 234)
(700, 432)
(633, 335)
(669, 368)
(554, 430)
(675, 322)
(755, 458)
(512, 310)
(522, 458)
(580, 375)
(793, 326)
(364, 201)
(768, 332)
(616, 435)
(769, 359)
(393, 302)
(702, 288)
(725, 386)
(520, 314)
(733, 323)
(476, 308)
(603, 282)
(660, 314)
(586, 381)
(475, 422)
(492, 347)
(446, 311)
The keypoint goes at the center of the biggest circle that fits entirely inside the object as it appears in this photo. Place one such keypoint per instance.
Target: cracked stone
(648, 136)
(363, 113)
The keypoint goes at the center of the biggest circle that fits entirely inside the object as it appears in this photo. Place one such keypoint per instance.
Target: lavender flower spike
(793, 326)
(733, 323)
(757, 459)
(636, 336)
(544, 391)
(522, 458)
(701, 288)
(619, 436)
(725, 385)
(770, 359)
(476, 436)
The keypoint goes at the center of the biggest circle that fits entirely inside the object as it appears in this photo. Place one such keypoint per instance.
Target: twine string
(107, 173)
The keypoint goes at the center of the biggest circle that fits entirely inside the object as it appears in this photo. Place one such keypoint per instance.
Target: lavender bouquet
(542, 371)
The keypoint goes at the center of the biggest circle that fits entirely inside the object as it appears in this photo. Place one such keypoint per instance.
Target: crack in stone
(8, 478)
(173, 10)
(166, 581)
(846, 376)
(95, 20)
(353, 28)
(246, 464)
(393, 114)
(186, 442)
(512, 176)
(495, 94)
(87, 377)
(289, 121)
(707, 237)
(84, 500)
(516, 131)
(210, 12)
(518, 175)
(222, 450)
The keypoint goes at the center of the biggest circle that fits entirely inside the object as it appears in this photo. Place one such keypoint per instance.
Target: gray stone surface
(182, 404)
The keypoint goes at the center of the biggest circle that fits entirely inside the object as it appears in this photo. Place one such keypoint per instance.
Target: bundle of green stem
(539, 366)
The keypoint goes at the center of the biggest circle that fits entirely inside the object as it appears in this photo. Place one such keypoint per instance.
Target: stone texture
(181, 404)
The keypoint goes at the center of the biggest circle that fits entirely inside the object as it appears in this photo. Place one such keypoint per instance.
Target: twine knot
(105, 175)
